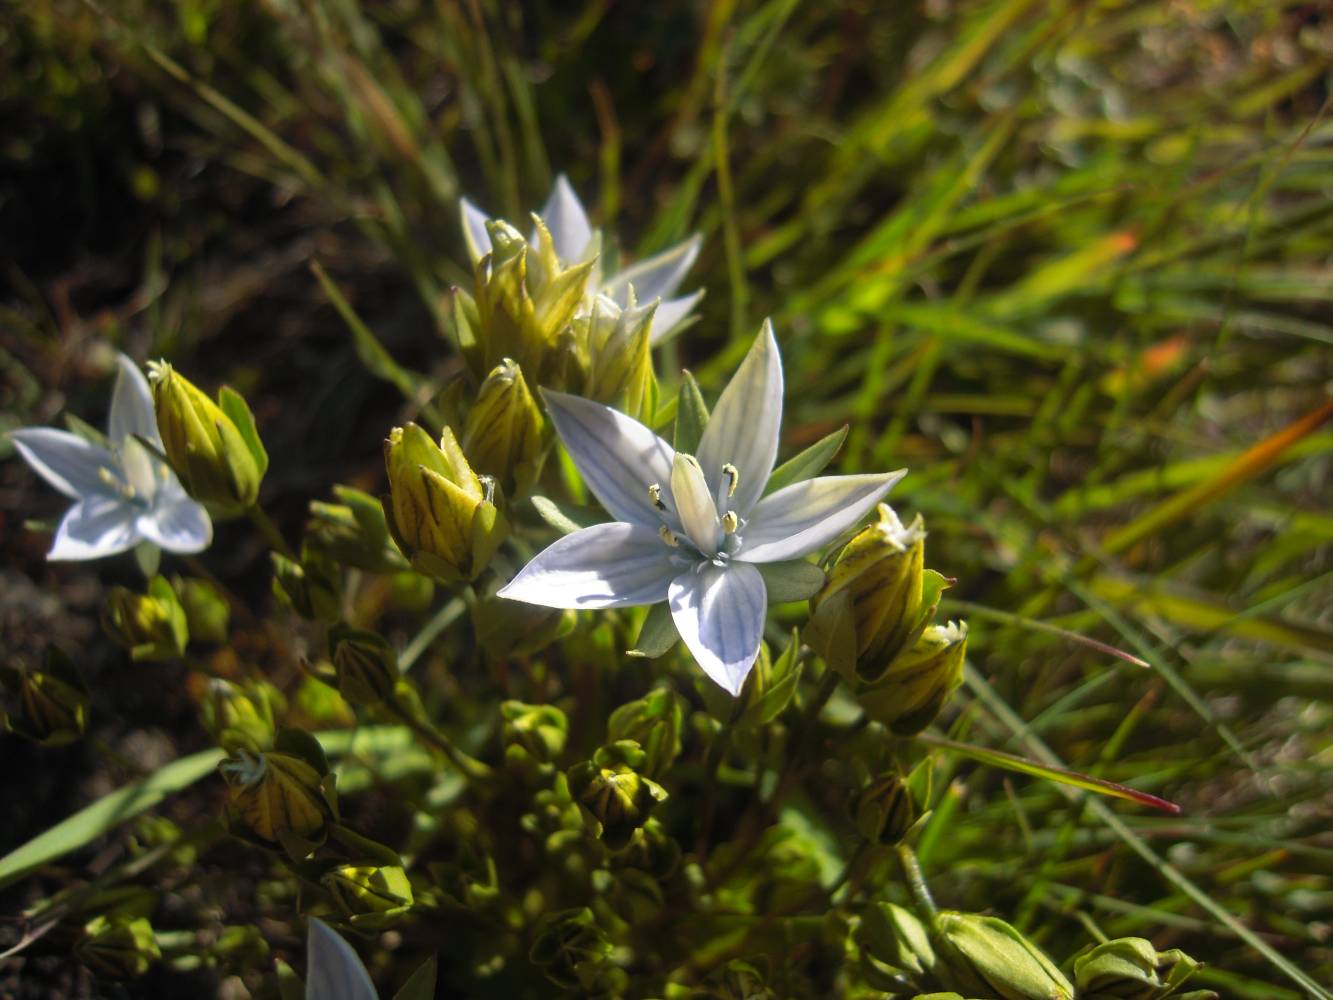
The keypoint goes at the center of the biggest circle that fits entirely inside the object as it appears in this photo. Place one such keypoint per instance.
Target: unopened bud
(884, 810)
(206, 610)
(52, 703)
(1132, 969)
(894, 936)
(151, 626)
(653, 722)
(440, 513)
(613, 795)
(278, 800)
(117, 947)
(737, 980)
(311, 587)
(353, 532)
(986, 957)
(372, 897)
(567, 944)
(919, 682)
(213, 447)
(613, 346)
(502, 435)
(880, 571)
(241, 717)
(534, 731)
(367, 666)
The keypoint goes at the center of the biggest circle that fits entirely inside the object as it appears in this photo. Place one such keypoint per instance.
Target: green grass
(1068, 262)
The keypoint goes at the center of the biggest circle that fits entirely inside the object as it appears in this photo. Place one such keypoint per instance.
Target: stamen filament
(733, 478)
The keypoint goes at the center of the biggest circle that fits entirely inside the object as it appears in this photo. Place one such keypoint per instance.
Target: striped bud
(278, 800)
(502, 435)
(986, 957)
(52, 702)
(117, 947)
(366, 664)
(611, 793)
(150, 626)
(919, 682)
(372, 898)
(884, 810)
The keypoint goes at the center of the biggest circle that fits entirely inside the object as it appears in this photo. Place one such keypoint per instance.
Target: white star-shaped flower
(124, 494)
(689, 529)
(658, 277)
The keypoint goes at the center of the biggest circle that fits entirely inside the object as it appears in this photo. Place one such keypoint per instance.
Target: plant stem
(438, 622)
(469, 766)
(916, 884)
(717, 752)
(270, 532)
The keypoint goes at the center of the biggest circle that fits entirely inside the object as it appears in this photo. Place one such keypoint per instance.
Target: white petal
(803, 517)
(66, 461)
(474, 230)
(131, 405)
(743, 428)
(564, 216)
(719, 612)
(657, 277)
(94, 527)
(694, 504)
(333, 969)
(177, 524)
(618, 457)
(614, 565)
(671, 313)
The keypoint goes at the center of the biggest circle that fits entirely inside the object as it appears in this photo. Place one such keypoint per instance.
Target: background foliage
(1067, 261)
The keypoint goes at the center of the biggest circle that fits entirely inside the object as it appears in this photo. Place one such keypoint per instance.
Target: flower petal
(333, 969)
(474, 230)
(177, 523)
(94, 527)
(671, 313)
(743, 429)
(658, 277)
(66, 461)
(719, 612)
(614, 565)
(131, 405)
(806, 516)
(694, 504)
(564, 216)
(618, 457)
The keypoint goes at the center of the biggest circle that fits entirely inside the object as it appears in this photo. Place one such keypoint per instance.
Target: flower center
(689, 512)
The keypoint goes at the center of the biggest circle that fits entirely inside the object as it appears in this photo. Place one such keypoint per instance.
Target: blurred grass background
(1070, 262)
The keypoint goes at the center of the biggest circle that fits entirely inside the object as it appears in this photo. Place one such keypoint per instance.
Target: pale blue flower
(333, 969)
(658, 277)
(692, 530)
(124, 494)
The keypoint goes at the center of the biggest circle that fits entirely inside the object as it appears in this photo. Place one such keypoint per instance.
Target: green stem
(468, 766)
(438, 622)
(271, 533)
(717, 752)
(916, 884)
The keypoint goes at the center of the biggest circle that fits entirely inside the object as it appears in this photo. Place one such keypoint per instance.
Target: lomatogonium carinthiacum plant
(124, 493)
(695, 530)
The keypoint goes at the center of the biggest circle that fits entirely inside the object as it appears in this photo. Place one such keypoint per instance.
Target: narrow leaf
(808, 463)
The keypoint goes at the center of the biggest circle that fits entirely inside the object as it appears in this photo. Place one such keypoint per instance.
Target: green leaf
(808, 463)
(691, 415)
(832, 634)
(233, 404)
(86, 431)
(657, 634)
(1060, 775)
(106, 814)
(796, 580)
(565, 518)
(421, 984)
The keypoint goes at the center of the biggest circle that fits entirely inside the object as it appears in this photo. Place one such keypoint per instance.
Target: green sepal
(691, 415)
(233, 404)
(808, 463)
(657, 634)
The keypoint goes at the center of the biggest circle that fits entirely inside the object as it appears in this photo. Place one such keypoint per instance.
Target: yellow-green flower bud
(372, 897)
(737, 980)
(986, 957)
(613, 344)
(919, 682)
(884, 810)
(366, 664)
(652, 851)
(206, 610)
(241, 717)
(116, 947)
(440, 513)
(894, 936)
(654, 722)
(151, 626)
(312, 587)
(566, 944)
(52, 702)
(880, 571)
(1132, 969)
(502, 435)
(278, 800)
(213, 447)
(614, 798)
(353, 532)
(534, 731)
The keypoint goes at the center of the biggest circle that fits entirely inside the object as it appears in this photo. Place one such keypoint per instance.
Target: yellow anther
(655, 495)
(668, 536)
(730, 522)
(113, 481)
(733, 478)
